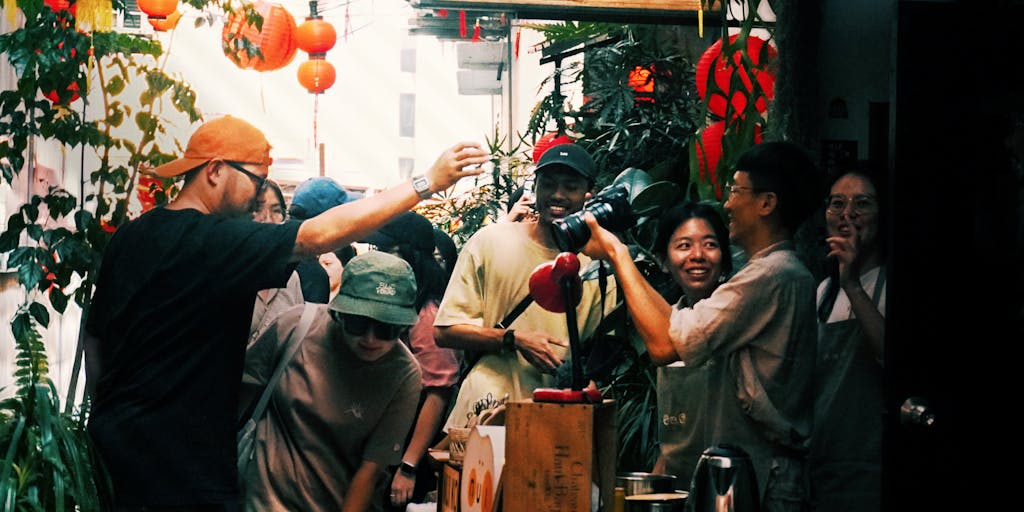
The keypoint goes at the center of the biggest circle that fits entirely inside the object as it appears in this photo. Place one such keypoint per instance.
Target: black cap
(571, 156)
(407, 228)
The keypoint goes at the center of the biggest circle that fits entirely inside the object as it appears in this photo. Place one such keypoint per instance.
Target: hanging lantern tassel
(476, 32)
(348, 23)
(95, 15)
(700, 20)
(11, 8)
(518, 30)
(462, 24)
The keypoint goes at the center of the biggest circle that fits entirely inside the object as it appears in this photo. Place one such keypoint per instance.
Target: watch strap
(407, 469)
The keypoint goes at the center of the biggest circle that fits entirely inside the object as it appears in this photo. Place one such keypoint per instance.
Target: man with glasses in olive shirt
(167, 328)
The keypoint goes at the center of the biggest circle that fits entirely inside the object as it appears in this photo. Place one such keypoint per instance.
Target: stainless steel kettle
(723, 481)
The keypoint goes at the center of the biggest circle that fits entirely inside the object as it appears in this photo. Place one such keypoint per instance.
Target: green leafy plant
(462, 213)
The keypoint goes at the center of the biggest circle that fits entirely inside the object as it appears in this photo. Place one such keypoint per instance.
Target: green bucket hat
(380, 286)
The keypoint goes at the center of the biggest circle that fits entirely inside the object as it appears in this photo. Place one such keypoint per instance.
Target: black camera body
(610, 207)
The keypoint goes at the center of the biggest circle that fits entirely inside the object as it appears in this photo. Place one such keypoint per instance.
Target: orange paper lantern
(168, 23)
(276, 41)
(157, 9)
(316, 75)
(315, 36)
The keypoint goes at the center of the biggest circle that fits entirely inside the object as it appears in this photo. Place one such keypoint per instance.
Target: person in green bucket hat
(342, 407)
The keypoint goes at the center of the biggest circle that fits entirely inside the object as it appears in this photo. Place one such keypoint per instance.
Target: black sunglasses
(260, 181)
(359, 325)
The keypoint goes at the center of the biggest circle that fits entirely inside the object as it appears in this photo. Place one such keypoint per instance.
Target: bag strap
(308, 312)
(516, 311)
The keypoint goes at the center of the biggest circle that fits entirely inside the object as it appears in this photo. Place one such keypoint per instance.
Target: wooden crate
(448, 488)
(555, 452)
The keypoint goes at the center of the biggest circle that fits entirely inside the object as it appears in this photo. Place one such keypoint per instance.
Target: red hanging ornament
(315, 37)
(70, 94)
(442, 13)
(276, 41)
(348, 23)
(168, 23)
(476, 32)
(462, 24)
(709, 151)
(546, 141)
(518, 30)
(157, 9)
(316, 75)
(713, 66)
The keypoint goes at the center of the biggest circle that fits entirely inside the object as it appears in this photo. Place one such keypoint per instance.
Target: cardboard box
(448, 488)
(559, 457)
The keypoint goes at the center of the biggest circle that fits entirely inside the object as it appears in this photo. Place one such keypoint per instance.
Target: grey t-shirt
(330, 412)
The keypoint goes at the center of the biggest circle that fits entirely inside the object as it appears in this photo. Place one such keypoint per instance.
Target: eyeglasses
(360, 325)
(863, 204)
(729, 191)
(260, 181)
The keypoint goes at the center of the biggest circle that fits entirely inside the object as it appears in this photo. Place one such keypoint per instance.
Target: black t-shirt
(172, 309)
(316, 285)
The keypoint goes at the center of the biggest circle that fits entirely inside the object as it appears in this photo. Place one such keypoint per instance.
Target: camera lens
(610, 208)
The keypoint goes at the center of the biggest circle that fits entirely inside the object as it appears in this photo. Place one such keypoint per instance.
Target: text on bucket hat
(407, 228)
(380, 286)
(315, 196)
(571, 156)
(226, 138)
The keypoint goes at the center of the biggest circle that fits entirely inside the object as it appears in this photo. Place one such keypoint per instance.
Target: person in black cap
(491, 277)
(411, 237)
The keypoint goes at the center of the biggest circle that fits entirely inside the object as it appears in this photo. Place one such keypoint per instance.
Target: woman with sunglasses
(341, 410)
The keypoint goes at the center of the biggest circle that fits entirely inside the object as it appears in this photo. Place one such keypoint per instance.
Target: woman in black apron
(693, 245)
(846, 447)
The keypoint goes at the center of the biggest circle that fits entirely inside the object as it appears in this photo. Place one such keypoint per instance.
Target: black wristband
(407, 469)
(508, 340)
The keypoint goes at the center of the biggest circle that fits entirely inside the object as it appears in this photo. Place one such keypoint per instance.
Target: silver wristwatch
(422, 186)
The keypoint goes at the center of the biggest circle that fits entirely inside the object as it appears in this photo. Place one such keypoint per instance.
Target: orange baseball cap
(225, 138)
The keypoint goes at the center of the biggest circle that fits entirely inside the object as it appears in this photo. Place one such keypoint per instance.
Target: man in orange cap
(167, 328)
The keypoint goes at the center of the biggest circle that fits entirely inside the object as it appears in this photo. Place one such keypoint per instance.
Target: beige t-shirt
(490, 278)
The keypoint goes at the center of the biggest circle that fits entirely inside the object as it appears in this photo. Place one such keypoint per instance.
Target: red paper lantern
(316, 75)
(158, 9)
(146, 191)
(62, 5)
(546, 141)
(721, 69)
(168, 23)
(315, 37)
(276, 41)
(709, 151)
(641, 79)
(65, 97)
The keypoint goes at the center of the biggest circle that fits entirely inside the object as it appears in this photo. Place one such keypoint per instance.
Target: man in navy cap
(492, 276)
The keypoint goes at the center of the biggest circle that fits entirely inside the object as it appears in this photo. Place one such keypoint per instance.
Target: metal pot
(645, 483)
(657, 502)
